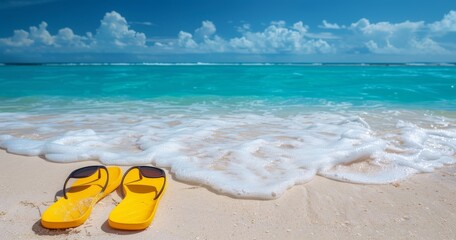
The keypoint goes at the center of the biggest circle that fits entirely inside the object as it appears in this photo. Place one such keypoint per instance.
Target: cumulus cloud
(115, 34)
(279, 38)
(40, 34)
(185, 40)
(114, 31)
(394, 38)
(364, 26)
(204, 40)
(35, 36)
(276, 38)
(206, 30)
(447, 24)
(20, 38)
(67, 38)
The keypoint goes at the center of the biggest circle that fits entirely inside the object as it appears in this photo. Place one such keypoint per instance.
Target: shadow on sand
(40, 230)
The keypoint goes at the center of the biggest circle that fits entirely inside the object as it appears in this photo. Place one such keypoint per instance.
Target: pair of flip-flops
(142, 187)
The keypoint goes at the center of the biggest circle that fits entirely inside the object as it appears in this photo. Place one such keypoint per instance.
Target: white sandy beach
(422, 207)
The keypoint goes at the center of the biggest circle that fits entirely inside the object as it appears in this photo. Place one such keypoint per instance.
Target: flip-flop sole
(137, 209)
(82, 196)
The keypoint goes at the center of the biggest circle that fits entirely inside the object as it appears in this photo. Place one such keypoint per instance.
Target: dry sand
(423, 207)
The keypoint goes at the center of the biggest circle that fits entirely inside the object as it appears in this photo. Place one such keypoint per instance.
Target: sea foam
(246, 154)
(243, 129)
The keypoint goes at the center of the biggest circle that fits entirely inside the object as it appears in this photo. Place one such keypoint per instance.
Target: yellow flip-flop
(143, 188)
(92, 184)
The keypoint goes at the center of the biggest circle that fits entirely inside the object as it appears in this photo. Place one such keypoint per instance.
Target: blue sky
(227, 31)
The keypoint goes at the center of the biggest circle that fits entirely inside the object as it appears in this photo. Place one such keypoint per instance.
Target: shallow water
(246, 131)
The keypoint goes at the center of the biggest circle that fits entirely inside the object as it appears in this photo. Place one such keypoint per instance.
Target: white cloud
(245, 27)
(447, 24)
(364, 26)
(427, 46)
(215, 44)
(40, 34)
(142, 23)
(327, 25)
(206, 30)
(278, 38)
(203, 41)
(114, 32)
(66, 38)
(19, 39)
(300, 27)
(37, 36)
(185, 40)
(394, 38)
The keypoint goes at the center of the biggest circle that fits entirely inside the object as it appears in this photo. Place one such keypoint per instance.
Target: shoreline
(421, 207)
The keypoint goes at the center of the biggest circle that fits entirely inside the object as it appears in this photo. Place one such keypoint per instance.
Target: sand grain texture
(422, 207)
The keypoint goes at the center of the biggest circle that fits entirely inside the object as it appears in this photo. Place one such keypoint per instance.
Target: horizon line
(198, 63)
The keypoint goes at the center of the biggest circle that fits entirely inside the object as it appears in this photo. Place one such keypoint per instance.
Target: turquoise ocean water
(244, 130)
(428, 87)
